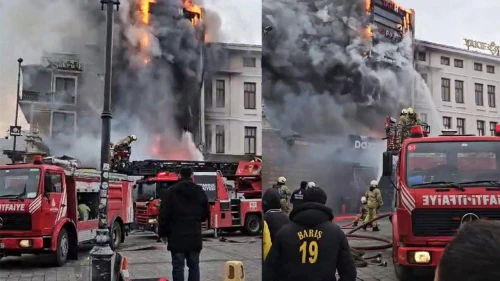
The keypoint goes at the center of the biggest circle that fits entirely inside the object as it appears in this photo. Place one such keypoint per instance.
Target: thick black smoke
(319, 84)
(316, 78)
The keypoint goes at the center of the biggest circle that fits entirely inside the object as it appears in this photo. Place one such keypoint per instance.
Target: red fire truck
(441, 183)
(234, 191)
(39, 209)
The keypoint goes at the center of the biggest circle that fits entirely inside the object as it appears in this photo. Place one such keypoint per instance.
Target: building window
(423, 117)
(220, 93)
(459, 91)
(493, 126)
(208, 138)
(63, 124)
(250, 95)
(424, 77)
(249, 62)
(490, 69)
(491, 96)
(445, 60)
(479, 94)
(250, 140)
(65, 90)
(461, 126)
(480, 127)
(445, 89)
(220, 139)
(447, 122)
(421, 56)
(459, 63)
(478, 66)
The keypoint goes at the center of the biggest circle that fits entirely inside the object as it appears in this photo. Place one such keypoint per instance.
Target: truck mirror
(386, 165)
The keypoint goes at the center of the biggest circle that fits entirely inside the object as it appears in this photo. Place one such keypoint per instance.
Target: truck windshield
(151, 190)
(469, 163)
(19, 183)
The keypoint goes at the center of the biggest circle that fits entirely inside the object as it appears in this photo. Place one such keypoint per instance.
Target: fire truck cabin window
(19, 183)
(151, 190)
(452, 162)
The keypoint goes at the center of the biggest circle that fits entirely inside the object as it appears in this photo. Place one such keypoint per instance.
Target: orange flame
(159, 151)
(145, 17)
(191, 7)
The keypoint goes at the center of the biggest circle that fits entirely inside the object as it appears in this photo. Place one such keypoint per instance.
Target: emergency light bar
(417, 131)
(497, 130)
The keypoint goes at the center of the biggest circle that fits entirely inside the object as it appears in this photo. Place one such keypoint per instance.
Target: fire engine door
(53, 207)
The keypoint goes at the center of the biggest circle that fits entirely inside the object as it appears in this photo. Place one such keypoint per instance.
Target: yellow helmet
(410, 110)
(281, 180)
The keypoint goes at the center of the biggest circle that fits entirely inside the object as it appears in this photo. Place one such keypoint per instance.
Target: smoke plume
(318, 83)
(316, 79)
(29, 27)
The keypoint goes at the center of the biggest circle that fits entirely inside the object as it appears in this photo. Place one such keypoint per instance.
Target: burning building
(329, 85)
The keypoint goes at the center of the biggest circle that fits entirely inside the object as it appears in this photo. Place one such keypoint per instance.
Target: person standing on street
(285, 193)
(274, 217)
(311, 247)
(374, 203)
(298, 195)
(184, 206)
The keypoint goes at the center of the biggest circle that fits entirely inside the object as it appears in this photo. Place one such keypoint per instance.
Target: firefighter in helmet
(284, 193)
(403, 117)
(373, 203)
(363, 212)
(413, 117)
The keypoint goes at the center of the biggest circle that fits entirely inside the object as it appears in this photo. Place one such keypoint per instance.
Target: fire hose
(358, 252)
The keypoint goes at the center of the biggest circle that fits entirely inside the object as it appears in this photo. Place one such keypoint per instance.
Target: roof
(455, 50)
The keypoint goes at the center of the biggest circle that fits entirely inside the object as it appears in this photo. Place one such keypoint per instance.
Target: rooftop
(455, 50)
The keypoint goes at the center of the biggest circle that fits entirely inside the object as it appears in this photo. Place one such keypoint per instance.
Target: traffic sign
(15, 131)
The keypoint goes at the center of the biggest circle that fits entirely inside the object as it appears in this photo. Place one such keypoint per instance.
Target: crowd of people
(303, 243)
(307, 245)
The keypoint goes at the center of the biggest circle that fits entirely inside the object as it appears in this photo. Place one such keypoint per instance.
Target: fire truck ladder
(148, 168)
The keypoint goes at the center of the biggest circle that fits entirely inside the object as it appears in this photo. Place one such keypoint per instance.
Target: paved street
(147, 259)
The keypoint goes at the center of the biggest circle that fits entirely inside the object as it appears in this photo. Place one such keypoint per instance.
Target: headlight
(25, 243)
(421, 257)
(152, 221)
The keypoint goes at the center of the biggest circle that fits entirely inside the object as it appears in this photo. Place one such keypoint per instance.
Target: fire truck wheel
(253, 225)
(116, 232)
(61, 253)
(404, 273)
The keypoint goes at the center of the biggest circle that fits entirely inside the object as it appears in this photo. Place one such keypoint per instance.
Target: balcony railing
(48, 97)
(38, 96)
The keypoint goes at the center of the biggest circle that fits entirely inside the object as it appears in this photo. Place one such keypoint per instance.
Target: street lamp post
(102, 256)
(16, 120)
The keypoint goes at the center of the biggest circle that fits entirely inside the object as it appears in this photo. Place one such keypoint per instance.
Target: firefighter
(403, 117)
(285, 194)
(362, 212)
(83, 210)
(374, 203)
(298, 195)
(413, 117)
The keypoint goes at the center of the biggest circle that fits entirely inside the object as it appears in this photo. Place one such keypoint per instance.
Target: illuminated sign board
(492, 47)
(389, 20)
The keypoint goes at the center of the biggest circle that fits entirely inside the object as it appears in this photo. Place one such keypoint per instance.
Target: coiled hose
(358, 252)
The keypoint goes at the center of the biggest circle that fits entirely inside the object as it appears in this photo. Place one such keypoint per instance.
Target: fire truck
(441, 182)
(39, 208)
(234, 192)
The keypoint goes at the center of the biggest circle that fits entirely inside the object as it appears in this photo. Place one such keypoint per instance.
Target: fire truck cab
(441, 183)
(233, 191)
(39, 209)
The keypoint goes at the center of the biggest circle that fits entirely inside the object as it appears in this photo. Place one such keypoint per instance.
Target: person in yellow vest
(413, 117)
(83, 210)
(374, 203)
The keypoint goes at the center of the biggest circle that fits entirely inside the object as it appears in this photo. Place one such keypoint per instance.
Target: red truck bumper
(21, 244)
(419, 256)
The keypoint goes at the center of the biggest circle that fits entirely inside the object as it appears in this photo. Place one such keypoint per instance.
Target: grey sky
(450, 21)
